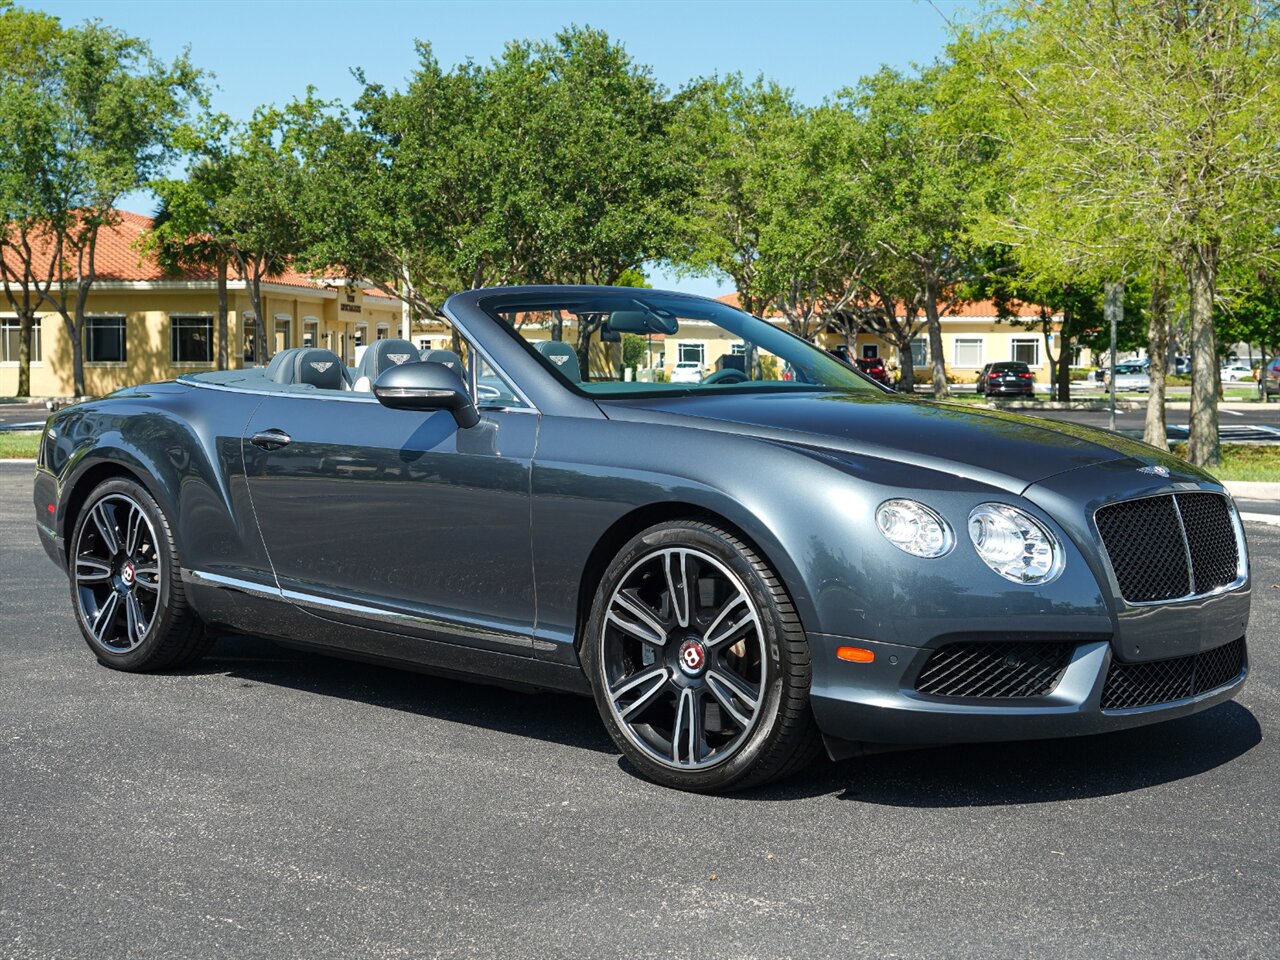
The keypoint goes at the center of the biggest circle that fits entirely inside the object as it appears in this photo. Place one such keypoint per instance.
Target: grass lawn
(19, 446)
(1241, 461)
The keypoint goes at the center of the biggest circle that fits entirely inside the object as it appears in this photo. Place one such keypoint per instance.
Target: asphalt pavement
(274, 804)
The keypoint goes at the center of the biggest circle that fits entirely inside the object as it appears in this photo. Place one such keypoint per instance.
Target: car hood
(1001, 449)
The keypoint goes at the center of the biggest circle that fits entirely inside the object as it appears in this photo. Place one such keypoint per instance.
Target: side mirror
(426, 385)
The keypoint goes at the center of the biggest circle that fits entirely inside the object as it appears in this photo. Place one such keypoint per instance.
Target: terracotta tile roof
(117, 257)
(978, 308)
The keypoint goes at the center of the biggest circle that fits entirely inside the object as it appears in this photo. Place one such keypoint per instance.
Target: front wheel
(125, 584)
(698, 663)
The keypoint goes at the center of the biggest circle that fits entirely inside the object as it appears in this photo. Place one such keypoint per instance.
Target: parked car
(686, 371)
(1129, 376)
(1006, 379)
(738, 570)
(1236, 372)
(1269, 377)
(874, 368)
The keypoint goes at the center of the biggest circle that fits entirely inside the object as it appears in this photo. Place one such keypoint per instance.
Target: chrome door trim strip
(315, 602)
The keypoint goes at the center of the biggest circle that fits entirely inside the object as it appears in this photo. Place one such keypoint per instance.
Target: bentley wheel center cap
(127, 574)
(693, 657)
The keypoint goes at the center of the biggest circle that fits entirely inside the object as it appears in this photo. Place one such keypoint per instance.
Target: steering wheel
(727, 375)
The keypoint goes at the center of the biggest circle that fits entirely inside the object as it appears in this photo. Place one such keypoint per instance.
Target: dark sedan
(780, 556)
(1007, 379)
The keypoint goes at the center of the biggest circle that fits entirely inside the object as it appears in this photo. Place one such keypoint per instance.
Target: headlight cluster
(1010, 541)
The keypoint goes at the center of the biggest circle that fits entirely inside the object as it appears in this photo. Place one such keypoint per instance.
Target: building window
(11, 339)
(870, 351)
(1027, 351)
(311, 333)
(919, 352)
(968, 352)
(738, 349)
(190, 339)
(693, 353)
(250, 338)
(284, 333)
(384, 331)
(362, 331)
(104, 340)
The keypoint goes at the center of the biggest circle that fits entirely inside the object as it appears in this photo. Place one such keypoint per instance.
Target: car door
(397, 519)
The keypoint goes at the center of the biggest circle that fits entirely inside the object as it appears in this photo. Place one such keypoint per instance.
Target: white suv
(686, 371)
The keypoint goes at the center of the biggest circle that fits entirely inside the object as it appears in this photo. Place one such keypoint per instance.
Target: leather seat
(320, 368)
(379, 357)
(562, 356)
(448, 358)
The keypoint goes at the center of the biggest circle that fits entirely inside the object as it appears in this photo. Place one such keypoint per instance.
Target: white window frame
(11, 321)
(382, 331)
(873, 355)
(208, 320)
(311, 328)
(285, 319)
(924, 351)
(124, 340)
(1023, 341)
(701, 347)
(968, 341)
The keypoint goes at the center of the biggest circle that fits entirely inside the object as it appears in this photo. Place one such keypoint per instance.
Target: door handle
(272, 439)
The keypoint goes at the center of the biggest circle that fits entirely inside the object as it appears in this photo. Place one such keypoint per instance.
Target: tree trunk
(1064, 368)
(906, 368)
(223, 348)
(262, 349)
(1202, 448)
(1154, 431)
(75, 334)
(1113, 307)
(936, 357)
(25, 324)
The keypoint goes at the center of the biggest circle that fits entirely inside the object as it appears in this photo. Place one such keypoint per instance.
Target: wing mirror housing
(426, 386)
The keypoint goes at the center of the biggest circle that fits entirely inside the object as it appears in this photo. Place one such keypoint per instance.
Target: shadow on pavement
(554, 717)
(977, 775)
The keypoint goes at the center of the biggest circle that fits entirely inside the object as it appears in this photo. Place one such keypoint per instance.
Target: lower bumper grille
(994, 670)
(1163, 681)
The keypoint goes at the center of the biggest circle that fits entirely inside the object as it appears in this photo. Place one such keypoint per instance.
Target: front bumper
(860, 704)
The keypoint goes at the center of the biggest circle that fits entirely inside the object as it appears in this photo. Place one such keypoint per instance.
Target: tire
(698, 663)
(122, 546)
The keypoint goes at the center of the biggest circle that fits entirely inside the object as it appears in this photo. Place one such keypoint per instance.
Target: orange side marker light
(856, 654)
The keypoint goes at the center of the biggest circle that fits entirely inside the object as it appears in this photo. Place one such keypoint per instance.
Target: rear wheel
(698, 663)
(125, 586)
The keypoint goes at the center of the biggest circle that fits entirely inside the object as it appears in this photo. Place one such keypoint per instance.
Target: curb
(1253, 489)
(1270, 519)
(32, 461)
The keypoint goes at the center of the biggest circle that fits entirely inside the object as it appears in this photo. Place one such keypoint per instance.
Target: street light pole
(1114, 309)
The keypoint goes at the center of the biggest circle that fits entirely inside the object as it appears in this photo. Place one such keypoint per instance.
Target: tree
(189, 232)
(928, 174)
(28, 249)
(746, 137)
(1138, 133)
(555, 163)
(114, 111)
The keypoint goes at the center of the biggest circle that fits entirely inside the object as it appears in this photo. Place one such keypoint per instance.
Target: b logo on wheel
(693, 657)
(127, 574)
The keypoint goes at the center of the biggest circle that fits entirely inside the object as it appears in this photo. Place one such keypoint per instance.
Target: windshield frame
(544, 298)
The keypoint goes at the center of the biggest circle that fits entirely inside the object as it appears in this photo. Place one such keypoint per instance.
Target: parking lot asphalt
(274, 804)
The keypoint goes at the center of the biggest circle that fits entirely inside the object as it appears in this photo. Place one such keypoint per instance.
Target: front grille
(1163, 681)
(994, 670)
(1148, 542)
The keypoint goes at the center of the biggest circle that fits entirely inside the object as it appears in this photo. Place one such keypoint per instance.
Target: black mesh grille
(1162, 681)
(1144, 541)
(1211, 538)
(1148, 553)
(994, 670)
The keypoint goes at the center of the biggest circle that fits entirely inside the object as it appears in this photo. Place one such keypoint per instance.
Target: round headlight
(914, 528)
(1015, 544)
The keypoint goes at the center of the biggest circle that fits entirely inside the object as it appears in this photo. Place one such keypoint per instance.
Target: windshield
(617, 343)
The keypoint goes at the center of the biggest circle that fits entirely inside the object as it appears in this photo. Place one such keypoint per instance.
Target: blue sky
(268, 51)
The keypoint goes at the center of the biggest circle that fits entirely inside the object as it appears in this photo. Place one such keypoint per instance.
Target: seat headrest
(562, 356)
(320, 368)
(447, 357)
(381, 355)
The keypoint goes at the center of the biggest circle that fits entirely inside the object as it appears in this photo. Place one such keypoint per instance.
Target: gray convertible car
(740, 570)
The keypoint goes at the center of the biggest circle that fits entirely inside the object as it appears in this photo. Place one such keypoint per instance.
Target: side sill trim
(201, 579)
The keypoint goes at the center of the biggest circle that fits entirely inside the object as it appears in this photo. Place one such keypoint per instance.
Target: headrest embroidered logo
(561, 360)
(398, 357)
(1155, 471)
(321, 366)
